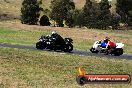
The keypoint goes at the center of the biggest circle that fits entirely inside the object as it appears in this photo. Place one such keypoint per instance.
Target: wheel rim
(68, 48)
(92, 49)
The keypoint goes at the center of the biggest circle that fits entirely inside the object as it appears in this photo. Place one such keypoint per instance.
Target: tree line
(92, 15)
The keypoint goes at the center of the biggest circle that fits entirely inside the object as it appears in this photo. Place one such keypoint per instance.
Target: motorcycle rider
(110, 45)
(57, 38)
(103, 44)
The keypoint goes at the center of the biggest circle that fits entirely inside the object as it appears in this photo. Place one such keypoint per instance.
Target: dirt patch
(6, 16)
(79, 3)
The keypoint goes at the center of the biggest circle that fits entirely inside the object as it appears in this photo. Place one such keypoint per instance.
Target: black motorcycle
(47, 42)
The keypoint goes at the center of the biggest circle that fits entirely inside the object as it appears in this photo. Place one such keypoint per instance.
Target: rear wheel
(118, 52)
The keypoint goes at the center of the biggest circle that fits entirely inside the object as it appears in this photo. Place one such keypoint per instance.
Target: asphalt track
(74, 52)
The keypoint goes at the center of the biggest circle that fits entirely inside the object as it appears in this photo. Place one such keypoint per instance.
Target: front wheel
(68, 48)
(39, 45)
(93, 50)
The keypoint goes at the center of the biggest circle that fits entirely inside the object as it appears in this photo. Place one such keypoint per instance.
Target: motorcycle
(47, 42)
(117, 51)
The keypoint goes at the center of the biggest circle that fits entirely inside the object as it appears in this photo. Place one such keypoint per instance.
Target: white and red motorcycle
(117, 51)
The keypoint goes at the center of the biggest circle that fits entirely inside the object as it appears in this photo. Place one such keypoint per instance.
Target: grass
(11, 9)
(18, 37)
(40, 69)
(23, 68)
(17, 33)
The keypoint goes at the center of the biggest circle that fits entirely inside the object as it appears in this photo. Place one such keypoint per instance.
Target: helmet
(107, 39)
(54, 32)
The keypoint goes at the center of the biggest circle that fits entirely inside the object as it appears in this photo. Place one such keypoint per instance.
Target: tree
(30, 12)
(115, 19)
(78, 18)
(87, 12)
(70, 21)
(124, 8)
(105, 16)
(90, 14)
(44, 21)
(60, 9)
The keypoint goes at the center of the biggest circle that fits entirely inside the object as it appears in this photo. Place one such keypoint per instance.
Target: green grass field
(16, 33)
(23, 68)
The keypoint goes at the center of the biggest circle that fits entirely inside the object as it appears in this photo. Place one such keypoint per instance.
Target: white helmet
(54, 32)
